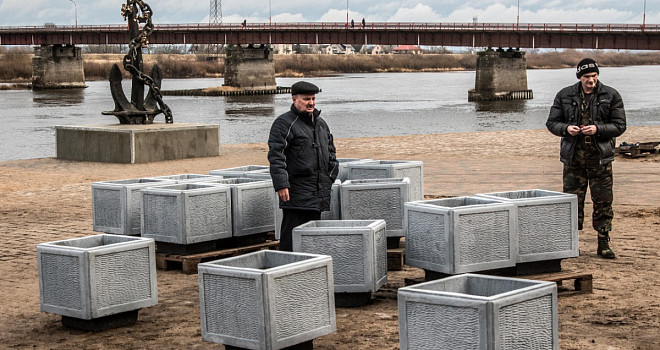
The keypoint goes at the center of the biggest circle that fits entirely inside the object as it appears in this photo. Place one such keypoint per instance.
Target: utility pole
(75, 8)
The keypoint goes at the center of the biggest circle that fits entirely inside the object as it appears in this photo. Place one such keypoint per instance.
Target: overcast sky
(63, 12)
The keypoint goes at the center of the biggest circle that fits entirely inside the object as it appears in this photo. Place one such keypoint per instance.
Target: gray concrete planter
(187, 178)
(343, 166)
(97, 276)
(266, 299)
(461, 234)
(358, 249)
(371, 199)
(187, 213)
(250, 171)
(116, 205)
(547, 223)
(252, 206)
(379, 169)
(478, 312)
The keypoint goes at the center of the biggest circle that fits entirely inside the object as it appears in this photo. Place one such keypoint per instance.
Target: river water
(354, 105)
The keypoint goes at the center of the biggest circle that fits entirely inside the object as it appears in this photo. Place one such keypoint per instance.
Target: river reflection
(259, 105)
(513, 106)
(58, 97)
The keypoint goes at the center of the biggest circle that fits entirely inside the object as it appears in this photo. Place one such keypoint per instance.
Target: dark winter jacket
(302, 158)
(607, 114)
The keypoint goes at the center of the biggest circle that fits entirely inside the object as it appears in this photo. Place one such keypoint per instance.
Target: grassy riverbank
(16, 65)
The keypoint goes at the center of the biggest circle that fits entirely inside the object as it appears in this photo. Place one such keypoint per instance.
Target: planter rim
(128, 240)
(216, 264)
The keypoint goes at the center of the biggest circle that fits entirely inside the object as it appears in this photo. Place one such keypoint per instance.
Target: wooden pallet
(188, 263)
(582, 282)
(637, 150)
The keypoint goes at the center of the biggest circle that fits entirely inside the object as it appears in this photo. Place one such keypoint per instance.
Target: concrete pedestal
(129, 143)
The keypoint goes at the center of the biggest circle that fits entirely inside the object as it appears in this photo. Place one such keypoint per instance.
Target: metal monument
(139, 110)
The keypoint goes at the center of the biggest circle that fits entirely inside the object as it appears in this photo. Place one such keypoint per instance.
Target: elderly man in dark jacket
(303, 163)
(589, 116)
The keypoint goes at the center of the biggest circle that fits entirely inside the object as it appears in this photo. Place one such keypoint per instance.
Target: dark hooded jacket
(607, 114)
(302, 158)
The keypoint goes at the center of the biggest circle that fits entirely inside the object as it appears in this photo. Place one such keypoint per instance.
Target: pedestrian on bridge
(303, 163)
(588, 116)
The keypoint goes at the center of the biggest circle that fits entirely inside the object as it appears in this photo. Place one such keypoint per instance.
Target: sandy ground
(48, 199)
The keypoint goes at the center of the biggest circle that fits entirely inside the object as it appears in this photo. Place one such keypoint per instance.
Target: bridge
(531, 35)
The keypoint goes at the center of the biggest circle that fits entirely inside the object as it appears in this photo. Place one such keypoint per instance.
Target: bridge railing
(371, 26)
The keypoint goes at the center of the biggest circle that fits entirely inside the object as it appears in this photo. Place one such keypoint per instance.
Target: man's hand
(588, 129)
(573, 130)
(283, 194)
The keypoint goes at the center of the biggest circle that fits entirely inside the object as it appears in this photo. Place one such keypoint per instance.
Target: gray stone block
(378, 169)
(97, 276)
(358, 249)
(116, 205)
(252, 207)
(188, 178)
(266, 299)
(547, 223)
(371, 199)
(343, 166)
(478, 312)
(460, 234)
(187, 213)
(256, 171)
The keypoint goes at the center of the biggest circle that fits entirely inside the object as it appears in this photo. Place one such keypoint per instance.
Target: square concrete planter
(258, 171)
(252, 207)
(116, 205)
(358, 249)
(478, 312)
(187, 213)
(378, 169)
(547, 223)
(266, 299)
(187, 178)
(372, 199)
(343, 166)
(97, 276)
(461, 234)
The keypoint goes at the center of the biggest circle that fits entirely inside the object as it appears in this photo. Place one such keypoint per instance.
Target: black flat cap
(305, 88)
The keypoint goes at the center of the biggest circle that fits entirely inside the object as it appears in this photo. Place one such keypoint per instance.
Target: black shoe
(604, 249)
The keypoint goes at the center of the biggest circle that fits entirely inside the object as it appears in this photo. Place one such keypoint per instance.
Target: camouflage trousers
(582, 174)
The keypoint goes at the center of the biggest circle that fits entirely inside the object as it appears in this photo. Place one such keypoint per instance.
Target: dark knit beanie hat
(585, 66)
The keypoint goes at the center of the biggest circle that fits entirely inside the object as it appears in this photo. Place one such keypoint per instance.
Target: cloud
(419, 13)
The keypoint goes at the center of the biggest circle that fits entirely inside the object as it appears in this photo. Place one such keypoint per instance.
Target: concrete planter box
(266, 299)
(253, 171)
(187, 178)
(116, 205)
(547, 223)
(187, 213)
(335, 203)
(461, 234)
(358, 249)
(97, 276)
(478, 312)
(343, 166)
(252, 207)
(379, 169)
(372, 199)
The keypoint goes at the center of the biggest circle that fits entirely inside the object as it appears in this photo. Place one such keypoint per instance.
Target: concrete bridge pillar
(250, 68)
(501, 75)
(57, 66)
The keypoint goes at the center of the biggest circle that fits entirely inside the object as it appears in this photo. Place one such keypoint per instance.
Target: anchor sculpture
(139, 110)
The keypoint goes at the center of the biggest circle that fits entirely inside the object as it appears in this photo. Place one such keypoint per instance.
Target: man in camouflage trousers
(589, 116)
